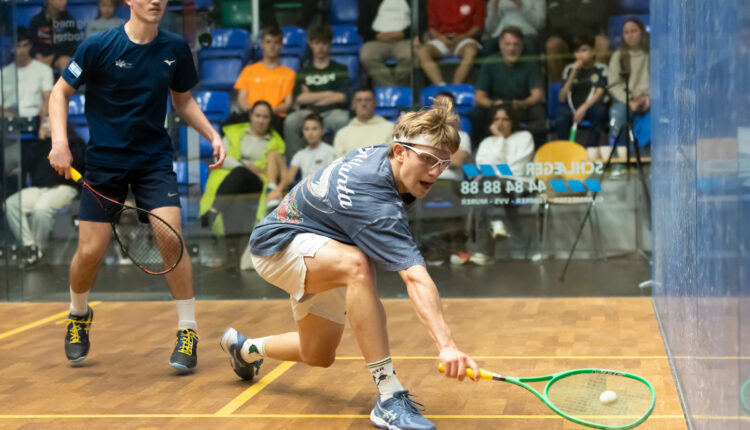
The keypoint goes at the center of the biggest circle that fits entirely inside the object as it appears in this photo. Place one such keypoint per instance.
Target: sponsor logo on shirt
(342, 192)
(169, 62)
(123, 65)
(320, 79)
(465, 9)
(74, 68)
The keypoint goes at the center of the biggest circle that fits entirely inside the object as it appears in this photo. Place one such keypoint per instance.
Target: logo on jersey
(74, 68)
(169, 62)
(123, 65)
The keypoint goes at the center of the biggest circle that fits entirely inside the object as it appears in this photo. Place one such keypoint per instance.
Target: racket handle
(74, 174)
(483, 374)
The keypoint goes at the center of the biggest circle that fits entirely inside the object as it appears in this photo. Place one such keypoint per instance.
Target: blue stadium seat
(181, 170)
(346, 40)
(292, 62)
(77, 109)
(83, 12)
(26, 11)
(390, 99)
(83, 132)
(123, 12)
(352, 62)
(464, 94)
(553, 101)
(615, 27)
(204, 146)
(220, 73)
(632, 6)
(344, 12)
(214, 104)
(227, 43)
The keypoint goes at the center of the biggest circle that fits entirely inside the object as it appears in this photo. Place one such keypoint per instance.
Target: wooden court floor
(126, 381)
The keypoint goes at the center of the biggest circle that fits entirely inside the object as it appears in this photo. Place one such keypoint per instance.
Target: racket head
(575, 395)
(745, 396)
(148, 240)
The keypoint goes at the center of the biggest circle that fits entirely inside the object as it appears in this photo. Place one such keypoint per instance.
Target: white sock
(254, 349)
(186, 314)
(385, 378)
(79, 303)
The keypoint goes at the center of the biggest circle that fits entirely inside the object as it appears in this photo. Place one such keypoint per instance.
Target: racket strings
(152, 245)
(578, 396)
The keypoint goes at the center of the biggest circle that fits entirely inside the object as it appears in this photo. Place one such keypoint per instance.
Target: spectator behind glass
(34, 86)
(454, 26)
(385, 28)
(106, 20)
(55, 35)
(254, 152)
(507, 78)
(528, 15)
(315, 156)
(464, 147)
(321, 87)
(510, 145)
(366, 128)
(267, 79)
(581, 96)
(630, 62)
(565, 19)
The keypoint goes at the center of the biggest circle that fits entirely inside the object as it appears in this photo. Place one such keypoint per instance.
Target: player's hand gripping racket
(584, 396)
(153, 245)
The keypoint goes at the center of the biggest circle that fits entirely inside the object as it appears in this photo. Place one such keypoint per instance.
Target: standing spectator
(106, 20)
(316, 155)
(34, 86)
(507, 79)
(581, 96)
(366, 128)
(54, 34)
(509, 145)
(321, 87)
(267, 79)
(385, 28)
(630, 62)
(527, 15)
(566, 18)
(454, 26)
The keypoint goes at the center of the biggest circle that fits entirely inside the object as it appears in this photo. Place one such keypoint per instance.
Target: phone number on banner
(498, 187)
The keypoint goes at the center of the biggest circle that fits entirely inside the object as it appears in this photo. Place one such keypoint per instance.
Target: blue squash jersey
(127, 85)
(354, 201)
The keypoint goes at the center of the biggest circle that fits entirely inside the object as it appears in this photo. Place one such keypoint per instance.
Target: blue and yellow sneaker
(231, 342)
(185, 354)
(400, 413)
(77, 336)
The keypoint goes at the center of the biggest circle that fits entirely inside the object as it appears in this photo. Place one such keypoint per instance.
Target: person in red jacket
(454, 26)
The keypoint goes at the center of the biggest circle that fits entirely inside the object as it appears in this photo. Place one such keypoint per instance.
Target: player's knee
(89, 254)
(356, 264)
(321, 360)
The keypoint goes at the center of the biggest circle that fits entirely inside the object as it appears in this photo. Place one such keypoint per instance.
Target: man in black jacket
(384, 26)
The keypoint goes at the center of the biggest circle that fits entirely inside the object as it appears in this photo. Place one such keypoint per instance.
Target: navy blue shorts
(152, 188)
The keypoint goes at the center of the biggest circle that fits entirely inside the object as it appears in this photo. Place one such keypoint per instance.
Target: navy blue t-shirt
(354, 201)
(126, 95)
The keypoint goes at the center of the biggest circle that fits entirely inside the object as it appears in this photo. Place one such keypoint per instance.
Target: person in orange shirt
(267, 79)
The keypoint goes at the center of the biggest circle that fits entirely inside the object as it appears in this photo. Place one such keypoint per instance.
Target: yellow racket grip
(74, 174)
(483, 374)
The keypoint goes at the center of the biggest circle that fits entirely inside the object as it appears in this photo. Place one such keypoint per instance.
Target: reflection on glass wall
(554, 106)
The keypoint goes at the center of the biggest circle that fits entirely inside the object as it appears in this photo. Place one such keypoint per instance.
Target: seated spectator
(454, 26)
(54, 35)
(366, 128)
(581, 96)
(385, 28)
(31, 211)
(267, 79)
(565, 19)
(35, 82)
(106, 19)
(464, 147)
(321, 87)
(254, 156)
(527, 15)
(631, 62)
(509, 145)
(315, 156)
(506, 78)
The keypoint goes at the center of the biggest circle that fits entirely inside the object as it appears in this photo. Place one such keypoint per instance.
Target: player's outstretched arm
(429, 309)
(60, 157)
(188, 110)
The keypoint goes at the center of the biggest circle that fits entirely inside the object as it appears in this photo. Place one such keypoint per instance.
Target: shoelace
(75, 328)
(409, 404)
(186, 340)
